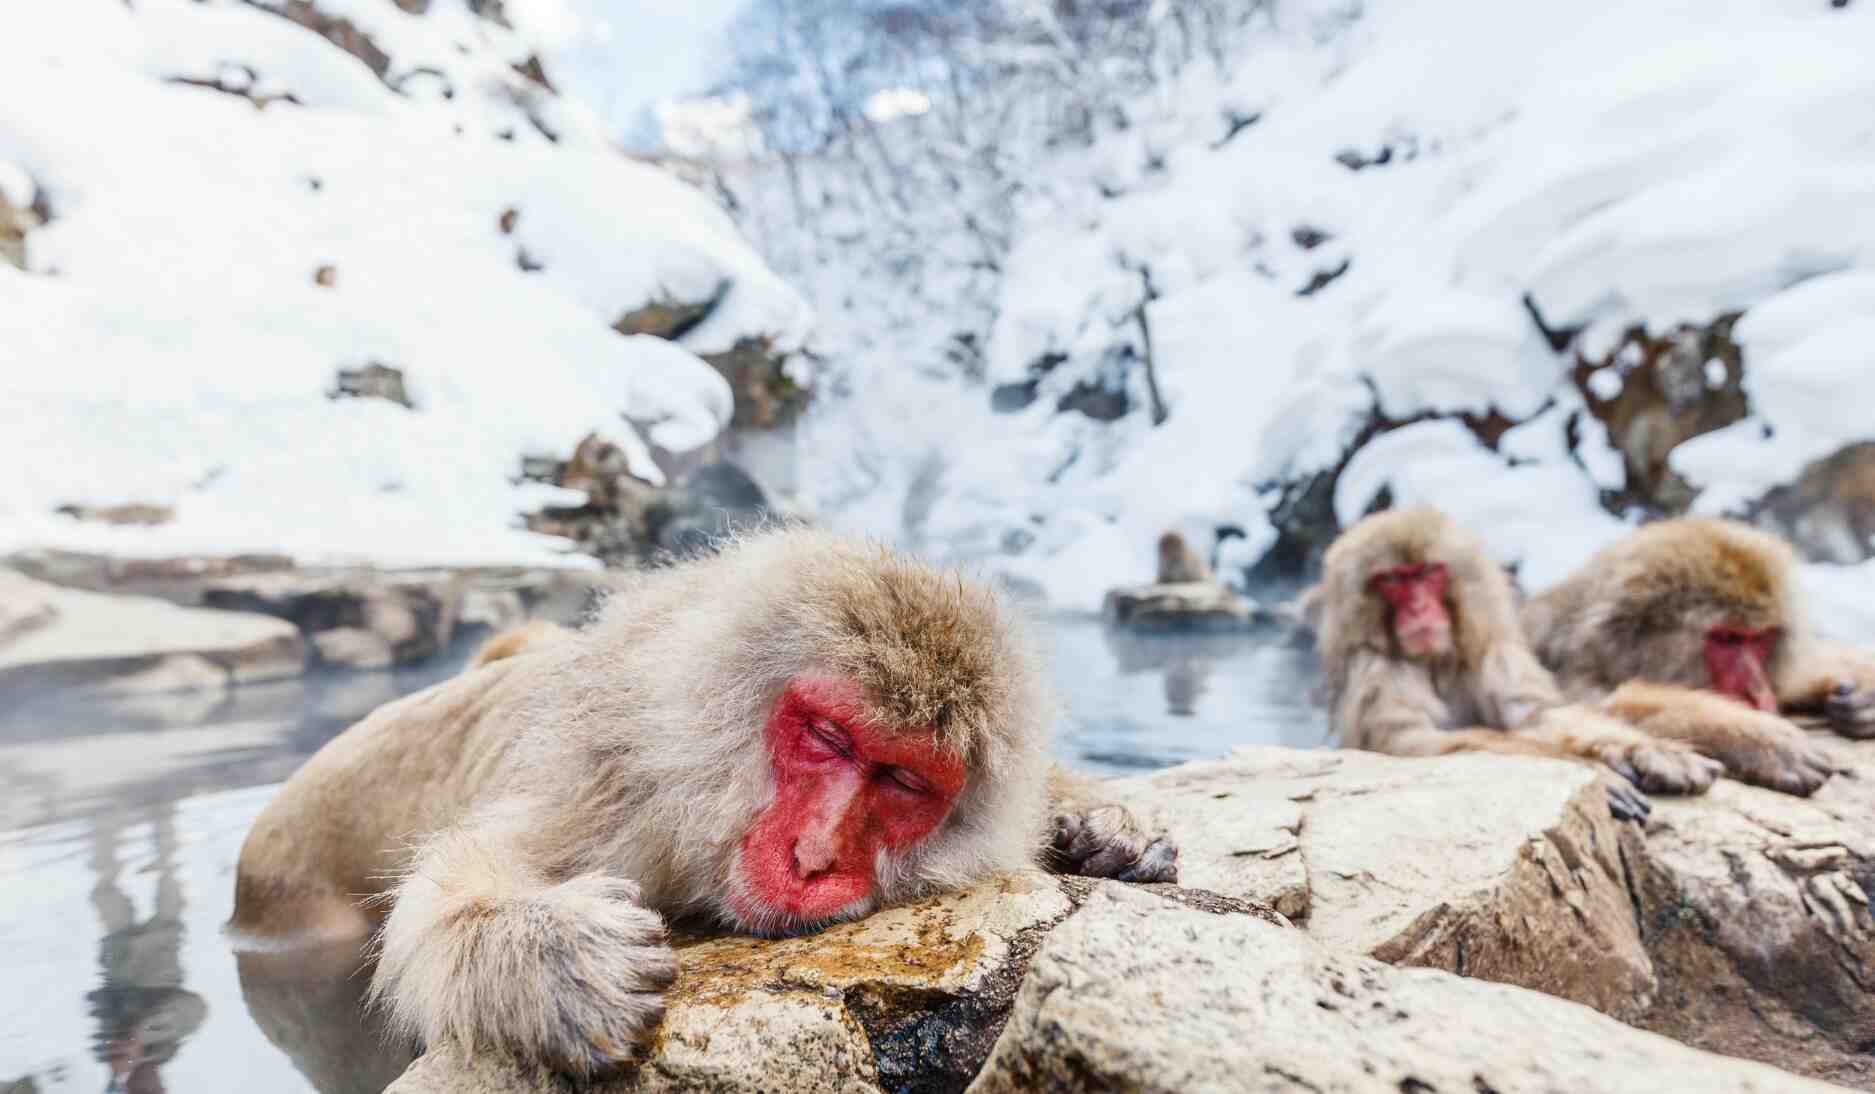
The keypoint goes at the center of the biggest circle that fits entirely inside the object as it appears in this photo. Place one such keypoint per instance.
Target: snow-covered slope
(1365, 250)
(208, 165)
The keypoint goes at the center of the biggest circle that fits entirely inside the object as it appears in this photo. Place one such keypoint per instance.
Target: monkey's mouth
(768, 898)
(1426, 639)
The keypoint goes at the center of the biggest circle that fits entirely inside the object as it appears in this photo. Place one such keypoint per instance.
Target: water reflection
(120, 823)
(1214, 692)
(141, 1009)
(310, 1004)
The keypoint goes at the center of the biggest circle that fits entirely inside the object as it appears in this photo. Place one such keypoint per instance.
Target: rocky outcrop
(1132, 995)
(670, 318)
(767, 395)
(909, 999)
(627, 521)
(362, 620)
(22, 209)
(1737, 923)
(373, 381)
(52, 637)
(1740, 923)
(1184, 605)
(1654, 391)
(347, 618)
(1501, 868)
(1755, 909)
(138, 514)
(1828, 513)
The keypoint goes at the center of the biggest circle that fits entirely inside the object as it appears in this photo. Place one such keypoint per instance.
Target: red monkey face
(1415, 596)
(845, 793)
(1735, 661)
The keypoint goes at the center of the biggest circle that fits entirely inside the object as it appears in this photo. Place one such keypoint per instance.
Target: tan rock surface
(72, 638)
(1755, 907)
(1132, 995)
(1740, 925)
(1503, 868)
(910, 995)
(1186, 605)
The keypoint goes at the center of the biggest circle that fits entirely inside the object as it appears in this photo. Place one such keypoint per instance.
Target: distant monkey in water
(1178, 562)
(1422, 655)
(1692, 629)
(785, 735)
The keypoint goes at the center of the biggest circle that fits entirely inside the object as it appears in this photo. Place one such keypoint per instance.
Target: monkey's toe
(1626, 802)
(1159, 862)
(1661, 769)
(1106, 842)
(1851, 711)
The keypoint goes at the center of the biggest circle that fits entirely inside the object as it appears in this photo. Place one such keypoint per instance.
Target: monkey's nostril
(811, 858)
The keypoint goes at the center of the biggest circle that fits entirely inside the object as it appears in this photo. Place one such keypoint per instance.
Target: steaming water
(120, 823)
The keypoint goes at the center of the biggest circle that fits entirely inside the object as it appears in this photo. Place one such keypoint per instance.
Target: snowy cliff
(219, 207)
(1405, 251)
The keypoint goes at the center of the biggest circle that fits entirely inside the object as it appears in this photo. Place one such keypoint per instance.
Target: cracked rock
(1755, 908)
(52, 637)
(1502, 868)
(1132, 995)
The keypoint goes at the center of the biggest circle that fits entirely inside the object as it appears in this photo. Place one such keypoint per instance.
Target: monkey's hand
(1850, 709)
(1780, 756)
(1662, 767)
(1105, 841)
(569, 976)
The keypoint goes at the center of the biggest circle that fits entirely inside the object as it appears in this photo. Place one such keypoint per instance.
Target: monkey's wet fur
(790, 733)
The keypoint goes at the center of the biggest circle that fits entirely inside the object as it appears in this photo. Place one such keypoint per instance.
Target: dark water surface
(120, 823)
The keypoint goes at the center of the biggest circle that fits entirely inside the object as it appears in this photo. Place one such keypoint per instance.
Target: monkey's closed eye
(905, 780)
(825, 738)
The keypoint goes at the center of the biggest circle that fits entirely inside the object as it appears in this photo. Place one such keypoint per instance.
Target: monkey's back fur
(1628, 613)
(634, 746)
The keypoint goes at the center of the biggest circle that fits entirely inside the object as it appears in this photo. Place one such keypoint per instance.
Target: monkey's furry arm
(1834, 680)
(480, 950)
(1090, 837)
(1754, 746)
(1390, 707)
(1515, 691)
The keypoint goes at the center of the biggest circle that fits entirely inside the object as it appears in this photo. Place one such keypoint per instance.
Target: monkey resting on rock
(1422, 655)
(1692, 630)
(1179, 563)
(786, 735)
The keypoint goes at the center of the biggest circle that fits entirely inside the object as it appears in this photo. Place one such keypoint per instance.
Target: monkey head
(847, 793)
(1702, 603)
(866, 729)
(1411, 585)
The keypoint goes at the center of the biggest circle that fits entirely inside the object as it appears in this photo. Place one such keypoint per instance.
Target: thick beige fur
(1178, 562)
(524, 829)
(1486, 692)
(516, 640)
(1638, 614)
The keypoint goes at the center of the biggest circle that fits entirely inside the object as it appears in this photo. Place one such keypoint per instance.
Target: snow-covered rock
(251, 199)
(1389, 232)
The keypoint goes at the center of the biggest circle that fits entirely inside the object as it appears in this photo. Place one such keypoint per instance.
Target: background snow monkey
(1706, 604)
(1178, 562)
(785, 735)
(1422, 655)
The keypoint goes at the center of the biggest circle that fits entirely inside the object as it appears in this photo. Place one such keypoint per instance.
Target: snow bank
(169, 343)
(1368, 245)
